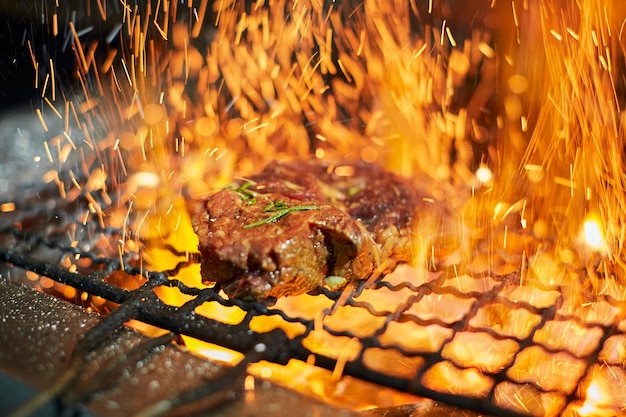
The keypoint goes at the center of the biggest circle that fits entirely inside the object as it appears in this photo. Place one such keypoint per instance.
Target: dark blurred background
(24, 21)
(17, 22)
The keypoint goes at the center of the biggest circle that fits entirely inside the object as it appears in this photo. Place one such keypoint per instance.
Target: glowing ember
(593, 235)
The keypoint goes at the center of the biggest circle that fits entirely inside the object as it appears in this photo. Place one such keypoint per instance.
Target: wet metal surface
(123, 375)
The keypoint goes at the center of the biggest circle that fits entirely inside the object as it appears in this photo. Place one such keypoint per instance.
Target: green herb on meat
(280, 209)
(246, 195)
(275, 206)
(354, 190)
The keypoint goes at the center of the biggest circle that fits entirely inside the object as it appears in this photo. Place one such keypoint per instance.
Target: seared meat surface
(294, 224)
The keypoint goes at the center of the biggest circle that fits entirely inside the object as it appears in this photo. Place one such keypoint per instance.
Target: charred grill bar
(497, 384)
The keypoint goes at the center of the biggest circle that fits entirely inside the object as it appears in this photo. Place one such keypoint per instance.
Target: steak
(294, 225)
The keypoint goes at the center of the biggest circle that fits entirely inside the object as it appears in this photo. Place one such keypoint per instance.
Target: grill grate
(489, 343)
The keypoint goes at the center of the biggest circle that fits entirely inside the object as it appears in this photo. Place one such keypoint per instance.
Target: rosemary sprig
(275, 206)
(246, 195)
(281, 210)
(354, 190)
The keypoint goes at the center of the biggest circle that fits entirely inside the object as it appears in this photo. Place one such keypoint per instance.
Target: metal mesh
(492, 343)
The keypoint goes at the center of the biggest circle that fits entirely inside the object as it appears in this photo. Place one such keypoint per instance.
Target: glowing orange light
(593, 235)
(484, 174)
(213, 352)
(7, 207)
(595, 397)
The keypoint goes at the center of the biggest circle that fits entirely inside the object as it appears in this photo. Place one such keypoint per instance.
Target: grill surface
(488, 342)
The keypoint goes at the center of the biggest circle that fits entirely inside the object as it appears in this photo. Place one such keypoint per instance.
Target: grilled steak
(294, 224)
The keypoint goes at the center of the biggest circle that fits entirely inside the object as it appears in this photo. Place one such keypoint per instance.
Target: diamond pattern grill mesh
(494, 343)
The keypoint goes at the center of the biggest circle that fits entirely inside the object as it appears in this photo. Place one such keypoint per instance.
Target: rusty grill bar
(431, 344)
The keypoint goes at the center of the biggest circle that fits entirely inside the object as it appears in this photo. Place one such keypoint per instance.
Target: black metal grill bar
(142, 304)
(41, 251)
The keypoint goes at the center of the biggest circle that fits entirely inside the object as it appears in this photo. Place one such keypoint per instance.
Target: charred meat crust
(296, 223)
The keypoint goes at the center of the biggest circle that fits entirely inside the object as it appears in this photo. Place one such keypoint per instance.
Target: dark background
(23, 21)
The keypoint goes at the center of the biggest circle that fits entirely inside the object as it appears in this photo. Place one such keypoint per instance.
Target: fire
(593, 236)
(595, 397)
(162, 114)
(604, 393)
(484, 175)
(576, 135)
